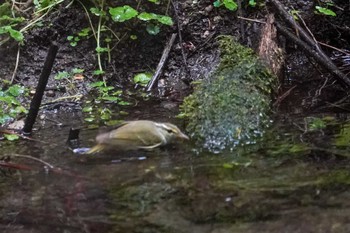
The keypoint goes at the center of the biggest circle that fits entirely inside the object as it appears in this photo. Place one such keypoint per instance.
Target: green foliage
(316, 123)
(10, 107)
(11, 137)
(228, 4)
(233, 105)
(155, 1)
(343, 138)
(325, 11)
(65, 75)
(119, 14)
(8, 23)
(74, 39)
(123, 13)
(107, 95)
(142, 79)
(252, 3)
(166, 20)
(42, 4)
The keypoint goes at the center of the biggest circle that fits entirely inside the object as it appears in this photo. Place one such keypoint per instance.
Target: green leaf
(146, 16)
(4, 29)
(17, 35)
(89, 119)
(20, 109)
(111, 98)
(69, 38)
(155, 1)
(105, 116)
(230, 4)
(117, 93)
(123, 13)
(101, 49)
(84, 32)
(87, 109)
(98, 72)
(11, 137)
(97, 84)
(5, 8)
(77, 71)
(217, 3)
(133, 37)
(96, 11)
(228, 165)
(325, 11)
(152, 29)
(252, 3)
(106, 89)
(62, 75)
(142, 78)
(317, 124)
(124, 103)
(15, 90)
(166, 20)
(4, 118)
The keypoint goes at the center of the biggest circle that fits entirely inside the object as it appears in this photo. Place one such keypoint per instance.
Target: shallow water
(293, 181)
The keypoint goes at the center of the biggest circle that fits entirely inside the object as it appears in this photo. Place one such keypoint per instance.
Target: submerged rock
(233, 105)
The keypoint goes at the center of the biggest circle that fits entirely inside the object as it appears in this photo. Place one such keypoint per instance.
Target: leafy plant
(8, 22)
(67, 75)
(105, 94)
(74, 39)
(10, 107)
(142, 79)
(119, 14)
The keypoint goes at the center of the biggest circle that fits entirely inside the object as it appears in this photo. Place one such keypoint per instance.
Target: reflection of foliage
(343, 138)
(233, 104)
(106, 94)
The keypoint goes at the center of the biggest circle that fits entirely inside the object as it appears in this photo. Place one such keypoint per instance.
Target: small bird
(140, 134)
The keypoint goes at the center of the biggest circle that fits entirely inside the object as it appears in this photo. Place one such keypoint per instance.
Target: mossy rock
(233, 105)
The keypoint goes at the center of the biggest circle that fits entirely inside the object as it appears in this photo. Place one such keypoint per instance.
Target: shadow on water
(294, 180)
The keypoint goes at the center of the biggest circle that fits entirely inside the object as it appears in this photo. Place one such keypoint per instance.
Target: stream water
(295, 180)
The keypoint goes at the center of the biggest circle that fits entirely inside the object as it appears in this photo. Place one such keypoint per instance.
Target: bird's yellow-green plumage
(141, 134)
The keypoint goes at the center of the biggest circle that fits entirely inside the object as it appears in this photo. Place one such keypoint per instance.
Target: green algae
(233, 105)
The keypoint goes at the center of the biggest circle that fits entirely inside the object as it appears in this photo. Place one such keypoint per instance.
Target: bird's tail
(95, 149)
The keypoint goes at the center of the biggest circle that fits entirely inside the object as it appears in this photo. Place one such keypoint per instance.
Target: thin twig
(335, 48)
(179, 30)
(8, 131)
(89, 19)
(16, 65)
(252, 20)
(284, 95)
(162, 61)
(310, 46)
(33, 158)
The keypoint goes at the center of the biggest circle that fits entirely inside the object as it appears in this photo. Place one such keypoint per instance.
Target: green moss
(233, 105)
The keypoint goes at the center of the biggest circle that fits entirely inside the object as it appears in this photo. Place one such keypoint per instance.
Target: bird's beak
(183, 136)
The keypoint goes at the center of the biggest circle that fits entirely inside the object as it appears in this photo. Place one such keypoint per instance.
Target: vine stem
(98, 39)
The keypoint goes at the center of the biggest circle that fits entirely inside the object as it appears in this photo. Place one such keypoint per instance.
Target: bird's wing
(150, 147)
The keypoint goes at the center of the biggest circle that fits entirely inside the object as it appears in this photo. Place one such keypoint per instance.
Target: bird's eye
(170, 131)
